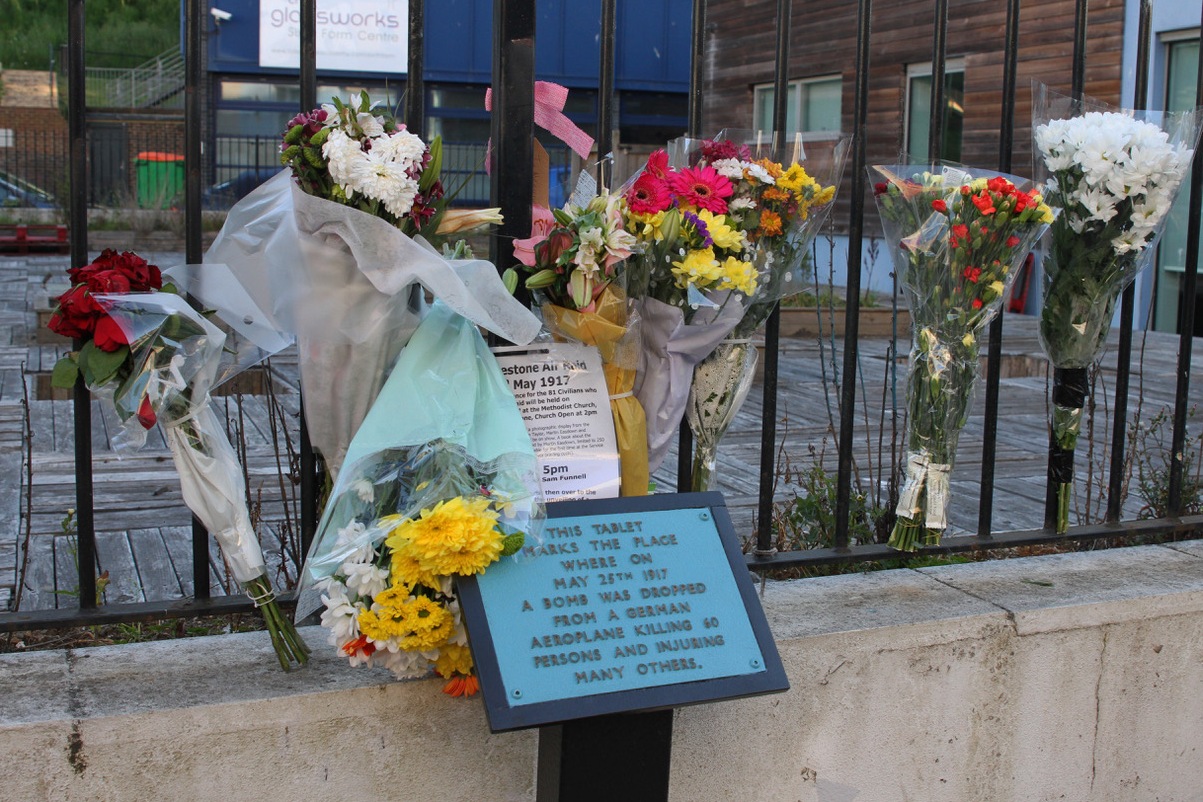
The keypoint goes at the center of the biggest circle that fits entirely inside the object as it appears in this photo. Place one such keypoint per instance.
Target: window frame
(795, 88)
(924, 70)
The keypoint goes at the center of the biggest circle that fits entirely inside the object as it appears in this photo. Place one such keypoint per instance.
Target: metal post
(1123, 357)
(772, 326)
(1187, 324)
(935, 133)
(77, 122)
(856, 231)
(309, 464)
(985, 514)
(194, 19)
(605, 93)
(415, 82)
(697, 59)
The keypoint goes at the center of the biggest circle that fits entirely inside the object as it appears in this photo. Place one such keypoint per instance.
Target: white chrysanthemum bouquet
(1115, 175)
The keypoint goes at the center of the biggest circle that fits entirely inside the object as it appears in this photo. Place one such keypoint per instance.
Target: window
(918, 111)
(813, 105)
(1182, 65)
(6, 137)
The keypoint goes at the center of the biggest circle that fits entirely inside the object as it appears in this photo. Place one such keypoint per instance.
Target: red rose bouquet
(155, 358)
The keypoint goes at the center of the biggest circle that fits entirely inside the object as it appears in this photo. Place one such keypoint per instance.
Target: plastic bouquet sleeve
(343, 283)
(613, 328)
(957, 237)
(671, 349)
(439, 481)
(175, 355)
(1115, 174)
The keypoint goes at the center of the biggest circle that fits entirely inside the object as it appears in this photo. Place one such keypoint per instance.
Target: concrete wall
(1064, 677)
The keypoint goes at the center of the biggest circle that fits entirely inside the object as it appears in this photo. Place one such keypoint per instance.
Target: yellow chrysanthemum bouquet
(439, 482)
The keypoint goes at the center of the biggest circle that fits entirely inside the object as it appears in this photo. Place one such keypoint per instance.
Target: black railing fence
(512, 131)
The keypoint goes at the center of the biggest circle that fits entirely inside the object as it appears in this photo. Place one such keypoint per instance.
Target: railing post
(77, 111)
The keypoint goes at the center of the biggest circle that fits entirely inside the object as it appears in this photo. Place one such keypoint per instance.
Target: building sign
(352, 35)
(623, 604)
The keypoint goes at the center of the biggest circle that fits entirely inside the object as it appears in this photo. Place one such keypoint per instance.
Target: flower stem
(286, 641)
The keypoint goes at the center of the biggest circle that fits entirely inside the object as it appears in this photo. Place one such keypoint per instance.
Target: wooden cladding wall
(742, 41)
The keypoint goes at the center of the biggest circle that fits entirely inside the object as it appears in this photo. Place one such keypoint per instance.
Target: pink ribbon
(549, 115)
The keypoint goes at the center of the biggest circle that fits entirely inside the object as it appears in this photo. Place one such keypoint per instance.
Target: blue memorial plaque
(622, 604)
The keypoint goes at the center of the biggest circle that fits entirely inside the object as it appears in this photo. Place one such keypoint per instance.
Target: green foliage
(1151, 446)
(117, 33)
(807, 521)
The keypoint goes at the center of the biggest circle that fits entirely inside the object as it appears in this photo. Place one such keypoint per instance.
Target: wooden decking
(143, 529)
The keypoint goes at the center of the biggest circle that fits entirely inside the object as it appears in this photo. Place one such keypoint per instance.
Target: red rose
(142, 276)
(880, 188)
(108, 335)
(940, 206)
(76, 313)
(146, 413)
(110, 282)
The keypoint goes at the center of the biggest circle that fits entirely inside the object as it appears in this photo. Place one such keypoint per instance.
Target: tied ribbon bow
(549, 115)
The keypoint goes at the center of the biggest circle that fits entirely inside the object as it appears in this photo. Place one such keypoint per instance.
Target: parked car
(224, 195)
(17, 192)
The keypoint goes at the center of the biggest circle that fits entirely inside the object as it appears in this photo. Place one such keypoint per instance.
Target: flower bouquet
(573, 260)
(959, 236)
(429, 491)
(333, 250)
(780, 209)
(1115, 175)
(154, 358)
(691, 274)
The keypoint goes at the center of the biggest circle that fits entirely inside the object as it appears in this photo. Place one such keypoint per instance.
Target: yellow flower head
(738, 275)
(794, 178)
(723, 234)
(457, 536)
(699, 268)
(646, 227)
(453, 659)
(416, 622)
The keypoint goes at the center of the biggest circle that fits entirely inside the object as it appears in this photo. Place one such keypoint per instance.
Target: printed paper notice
(561, 391)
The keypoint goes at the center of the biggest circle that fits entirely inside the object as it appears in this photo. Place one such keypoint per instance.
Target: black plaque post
(620, 756)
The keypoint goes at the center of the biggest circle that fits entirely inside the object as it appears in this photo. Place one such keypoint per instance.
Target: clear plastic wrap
(342, 282)
(783, 194)
(174, 355)
(1115, 174)
(957, 237)
(614, 328)
(439, 481)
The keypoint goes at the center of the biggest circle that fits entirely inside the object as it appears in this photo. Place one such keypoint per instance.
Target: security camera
(221, 16)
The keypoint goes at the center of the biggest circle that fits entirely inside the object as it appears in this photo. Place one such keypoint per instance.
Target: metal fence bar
(605, 92)
(77, 116)
(1123, 358)
(939, 57)
(1187, 323)
(856, 231)
(1006, 143)
(308, 462)
(772, 326)
(697, 83)
(415, 83)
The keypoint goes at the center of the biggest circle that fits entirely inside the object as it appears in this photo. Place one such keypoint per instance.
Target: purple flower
(699, 226)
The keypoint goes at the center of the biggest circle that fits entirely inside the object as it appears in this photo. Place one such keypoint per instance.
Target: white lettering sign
(561, 391)
(353, 35)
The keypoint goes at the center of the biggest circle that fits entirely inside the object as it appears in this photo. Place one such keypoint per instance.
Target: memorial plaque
(625, 604)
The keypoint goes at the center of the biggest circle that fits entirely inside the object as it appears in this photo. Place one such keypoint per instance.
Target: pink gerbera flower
(648, 195)
(701, 188)
(657, 164)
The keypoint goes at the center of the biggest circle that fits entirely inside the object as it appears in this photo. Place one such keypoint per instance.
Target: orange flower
(771, 167)
(461, 685)
(774, 194)
(770, 223)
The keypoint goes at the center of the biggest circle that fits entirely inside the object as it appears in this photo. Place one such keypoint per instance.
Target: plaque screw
(516, 694)
(755, 663)
(705, 516)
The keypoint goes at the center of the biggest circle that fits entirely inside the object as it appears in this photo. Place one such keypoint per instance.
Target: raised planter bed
(873, 321)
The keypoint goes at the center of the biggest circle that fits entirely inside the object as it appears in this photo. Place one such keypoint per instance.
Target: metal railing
(157, 83)
(512, 128)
